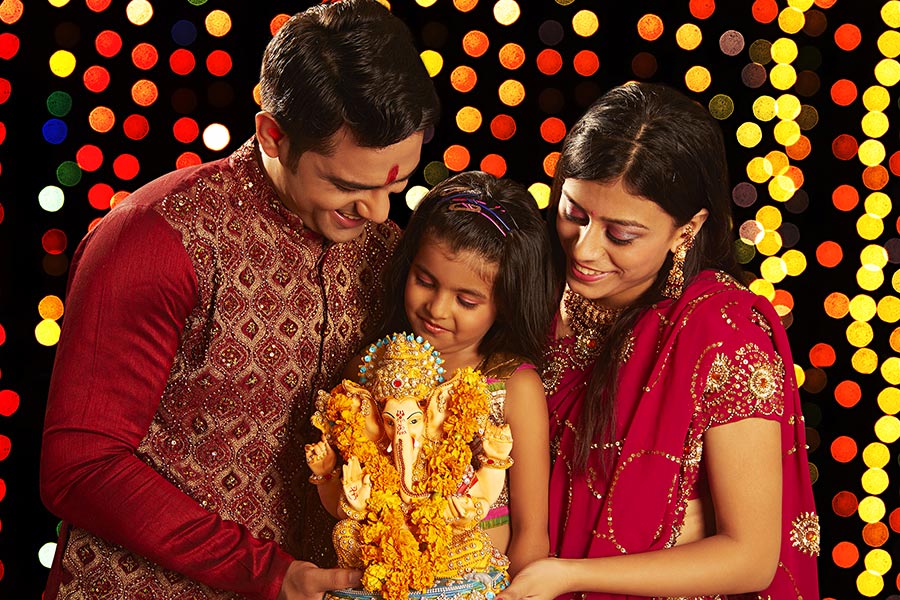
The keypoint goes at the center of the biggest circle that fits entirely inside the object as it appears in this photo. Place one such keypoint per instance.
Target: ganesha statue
(409, 490)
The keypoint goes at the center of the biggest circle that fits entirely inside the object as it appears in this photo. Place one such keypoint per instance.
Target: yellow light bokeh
(869, 227)
(887, 428)
(139, 12)
(585, 23)
(889, 401)
(787, 106)
(759, 170)
(871, 509)
(871, 153)
(791, 20)
(541, 193)
(873, 255)
(795, 262)
(889, 309)
(887, 72)
(749, 134)
(879, 561)
(511, 92)
(864, 361)
(697, 78)
(47, 332)
(784, 50)
(688, 36)
(783, 76)
(890, 13)
(876, 455)
(878, 204)
(765, 108)
(769, 217)
(889, 43)
(433, 62)
(787, 133)
(773, 269)
(62, 63)
(875, 124)
(218, 23)
(874, 481)
(876, 98)
(890, 370)
(770, 244)
(869, 279)
(862, 307)
(414, 196)
(507, 12)
(860, 334)
(468, 119)
(869, 584)
(763, 288)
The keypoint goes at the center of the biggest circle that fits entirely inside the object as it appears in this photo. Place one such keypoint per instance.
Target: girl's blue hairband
(494, 213)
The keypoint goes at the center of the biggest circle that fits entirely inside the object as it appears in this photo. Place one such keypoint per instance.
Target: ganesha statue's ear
(436, 410)
(365, 403)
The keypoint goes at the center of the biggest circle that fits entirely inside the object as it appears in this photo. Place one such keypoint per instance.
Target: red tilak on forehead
(392, 174)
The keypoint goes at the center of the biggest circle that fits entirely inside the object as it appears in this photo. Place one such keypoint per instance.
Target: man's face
(337, 195)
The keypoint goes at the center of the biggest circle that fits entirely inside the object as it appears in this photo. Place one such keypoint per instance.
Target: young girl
(471, 276)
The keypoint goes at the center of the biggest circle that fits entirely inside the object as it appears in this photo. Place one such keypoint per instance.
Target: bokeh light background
(98, 97)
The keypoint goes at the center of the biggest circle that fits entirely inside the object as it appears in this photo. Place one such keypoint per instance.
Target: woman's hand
(544, 579)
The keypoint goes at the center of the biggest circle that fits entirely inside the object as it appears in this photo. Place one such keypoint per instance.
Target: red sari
(716, 355)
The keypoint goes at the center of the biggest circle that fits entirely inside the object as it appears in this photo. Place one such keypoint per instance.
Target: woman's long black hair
(666, 148)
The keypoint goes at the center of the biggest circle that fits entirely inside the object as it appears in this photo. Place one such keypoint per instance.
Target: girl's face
(615, 242)
(449, 300)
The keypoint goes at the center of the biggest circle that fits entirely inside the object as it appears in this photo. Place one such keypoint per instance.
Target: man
(206, 310)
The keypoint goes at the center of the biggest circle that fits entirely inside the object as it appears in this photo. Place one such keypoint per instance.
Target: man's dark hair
(350, 63)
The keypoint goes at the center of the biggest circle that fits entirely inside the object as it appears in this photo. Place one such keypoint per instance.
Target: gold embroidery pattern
(754, 386)
(805, 533)
(239, 387)
(719, 373)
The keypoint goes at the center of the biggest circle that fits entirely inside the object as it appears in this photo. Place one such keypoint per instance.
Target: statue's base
(479, 586)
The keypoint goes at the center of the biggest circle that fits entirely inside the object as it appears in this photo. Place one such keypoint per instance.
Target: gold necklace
(589, 322)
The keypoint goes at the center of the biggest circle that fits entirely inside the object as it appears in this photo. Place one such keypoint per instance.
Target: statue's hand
(321, 458)
(497, 441)
(464, 512)
(357, 485)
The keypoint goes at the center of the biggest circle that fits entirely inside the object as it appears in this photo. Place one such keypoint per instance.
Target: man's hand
(306, 581)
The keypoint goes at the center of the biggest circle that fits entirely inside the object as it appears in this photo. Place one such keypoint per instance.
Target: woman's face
(615, 242)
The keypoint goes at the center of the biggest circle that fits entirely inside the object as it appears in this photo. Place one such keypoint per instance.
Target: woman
(680, 466)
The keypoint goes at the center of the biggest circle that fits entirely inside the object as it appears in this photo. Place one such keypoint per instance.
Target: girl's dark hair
(524, 287)
(666, 148)
(350, 63)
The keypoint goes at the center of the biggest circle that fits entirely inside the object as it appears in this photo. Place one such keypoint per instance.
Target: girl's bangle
(320, 479)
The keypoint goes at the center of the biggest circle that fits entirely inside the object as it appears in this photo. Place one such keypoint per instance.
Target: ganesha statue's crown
(401, 364)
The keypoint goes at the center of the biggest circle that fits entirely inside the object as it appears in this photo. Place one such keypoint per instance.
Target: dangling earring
(675, 281)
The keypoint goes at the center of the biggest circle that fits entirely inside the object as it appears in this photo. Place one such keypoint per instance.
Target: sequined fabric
(716, 355)
(235, 412)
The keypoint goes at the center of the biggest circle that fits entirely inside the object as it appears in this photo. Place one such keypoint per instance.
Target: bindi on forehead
(392, 175)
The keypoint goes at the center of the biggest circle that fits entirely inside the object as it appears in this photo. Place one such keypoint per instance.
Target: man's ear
(272, 139)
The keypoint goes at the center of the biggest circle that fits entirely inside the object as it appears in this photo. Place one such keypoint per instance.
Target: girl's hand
(321, 458)
(544, 579)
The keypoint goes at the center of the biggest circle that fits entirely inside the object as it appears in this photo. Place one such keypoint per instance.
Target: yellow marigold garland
(405, 552)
